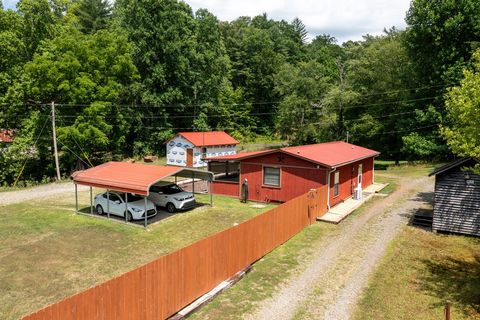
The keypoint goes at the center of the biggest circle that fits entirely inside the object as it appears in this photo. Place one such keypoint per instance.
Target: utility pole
(55, 150)
(347, 136)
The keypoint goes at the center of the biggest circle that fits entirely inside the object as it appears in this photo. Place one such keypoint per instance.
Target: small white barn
(188, 148)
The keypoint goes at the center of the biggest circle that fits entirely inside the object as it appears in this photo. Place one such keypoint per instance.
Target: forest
(125, 77)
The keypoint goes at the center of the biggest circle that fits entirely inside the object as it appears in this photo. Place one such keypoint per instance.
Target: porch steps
(345, 208)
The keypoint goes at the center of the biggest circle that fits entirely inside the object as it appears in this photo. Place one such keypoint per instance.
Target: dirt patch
(332, 281)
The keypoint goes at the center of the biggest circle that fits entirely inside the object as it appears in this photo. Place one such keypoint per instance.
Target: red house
(282, 174)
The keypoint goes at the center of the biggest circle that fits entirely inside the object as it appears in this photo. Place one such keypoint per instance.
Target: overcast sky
(343, 19)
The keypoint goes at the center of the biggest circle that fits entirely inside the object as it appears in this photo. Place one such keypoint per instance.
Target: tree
(163, 34)
(440, 38)
(381, 71)
(93, 15)
(89, 75)
(300, 114)
(12, 57)
(39, 21)
(300, 29)
(462, 103)
(325, 50)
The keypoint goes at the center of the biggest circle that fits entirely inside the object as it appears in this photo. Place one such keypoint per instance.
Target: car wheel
(171, 207)
(100, 210)
(129, 216)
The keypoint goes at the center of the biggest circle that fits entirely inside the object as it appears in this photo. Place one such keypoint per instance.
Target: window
(204, 152)
(271, 176)
(360, 175)
(336, 184)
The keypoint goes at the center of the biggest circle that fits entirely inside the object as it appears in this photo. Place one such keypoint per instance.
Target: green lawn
(419, 273)
(47, 252)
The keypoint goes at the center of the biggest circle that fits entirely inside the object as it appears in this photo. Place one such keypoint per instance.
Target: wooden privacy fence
(162, 287)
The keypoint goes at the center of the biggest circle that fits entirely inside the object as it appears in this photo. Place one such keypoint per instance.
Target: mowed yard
(47, 252)
(419, 273)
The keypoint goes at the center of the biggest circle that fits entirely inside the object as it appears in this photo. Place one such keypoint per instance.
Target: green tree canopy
(462, 130)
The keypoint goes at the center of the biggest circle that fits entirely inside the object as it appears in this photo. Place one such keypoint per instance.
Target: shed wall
(457, 204)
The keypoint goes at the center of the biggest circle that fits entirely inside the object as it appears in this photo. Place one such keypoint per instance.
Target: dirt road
(333, 280)
(43, 191)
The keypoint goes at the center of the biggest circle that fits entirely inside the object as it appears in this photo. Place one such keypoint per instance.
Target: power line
(34, 145)
(81, 149)
(250, 114)
(88, 165)
(180, 105)
(397, 131)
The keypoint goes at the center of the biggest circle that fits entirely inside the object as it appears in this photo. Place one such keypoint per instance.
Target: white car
(135, 206)
(171, 196)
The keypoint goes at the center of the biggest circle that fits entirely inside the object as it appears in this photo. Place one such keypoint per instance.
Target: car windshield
(131, 197)
(168, 189)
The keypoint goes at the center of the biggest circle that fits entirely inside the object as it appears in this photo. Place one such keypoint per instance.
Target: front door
(189, 157)
(360, 177)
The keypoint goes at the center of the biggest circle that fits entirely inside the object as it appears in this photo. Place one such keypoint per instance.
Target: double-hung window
(336, 184)
(271, 176)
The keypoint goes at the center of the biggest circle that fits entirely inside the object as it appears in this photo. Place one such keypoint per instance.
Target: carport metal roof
(134, 178)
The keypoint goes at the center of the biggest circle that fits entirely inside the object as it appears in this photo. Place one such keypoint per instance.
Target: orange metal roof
(330, 154)
(128, 177)
(210, 138)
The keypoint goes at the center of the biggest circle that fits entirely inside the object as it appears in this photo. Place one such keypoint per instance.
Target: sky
(343, 19)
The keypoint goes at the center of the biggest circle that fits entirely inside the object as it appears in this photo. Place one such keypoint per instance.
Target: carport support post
(126, 207)
(108, 204)
(76, 199)
(193, 182)
(210, 191)
(145, 212)
(91, 201)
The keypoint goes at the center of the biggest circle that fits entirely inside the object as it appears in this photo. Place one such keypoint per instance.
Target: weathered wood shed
(457, 198)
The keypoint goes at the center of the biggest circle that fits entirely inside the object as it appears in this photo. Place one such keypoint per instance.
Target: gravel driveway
(43, 191)
(333, 280)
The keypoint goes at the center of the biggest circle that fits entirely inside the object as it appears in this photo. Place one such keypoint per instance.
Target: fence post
(446, 311)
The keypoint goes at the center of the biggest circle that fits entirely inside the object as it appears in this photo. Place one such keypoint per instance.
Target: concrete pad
(345, 208)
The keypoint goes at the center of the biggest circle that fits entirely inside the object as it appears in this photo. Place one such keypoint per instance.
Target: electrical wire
(34, 145)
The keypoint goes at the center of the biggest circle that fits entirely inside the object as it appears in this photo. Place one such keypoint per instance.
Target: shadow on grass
(423, 197)
(455, 280)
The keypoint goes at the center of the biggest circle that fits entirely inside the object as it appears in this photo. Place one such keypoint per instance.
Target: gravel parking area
(40, 192)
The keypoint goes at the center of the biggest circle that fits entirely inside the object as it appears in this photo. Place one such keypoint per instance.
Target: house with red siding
(279, 175)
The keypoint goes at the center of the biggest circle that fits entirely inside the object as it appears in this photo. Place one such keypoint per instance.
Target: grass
(48, 253)
(420, 271)
(268, 273)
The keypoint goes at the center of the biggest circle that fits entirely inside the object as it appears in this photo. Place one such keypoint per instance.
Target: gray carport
(133, 178)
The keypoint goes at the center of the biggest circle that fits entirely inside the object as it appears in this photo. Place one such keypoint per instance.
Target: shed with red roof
(282, 174)
(189, 148)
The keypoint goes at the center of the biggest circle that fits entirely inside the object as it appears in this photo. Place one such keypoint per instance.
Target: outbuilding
(457, 198)
(189, 148)
(282, 174)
